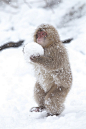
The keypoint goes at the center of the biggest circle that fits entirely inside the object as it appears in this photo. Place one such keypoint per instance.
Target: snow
(32, 49)
(17, 78)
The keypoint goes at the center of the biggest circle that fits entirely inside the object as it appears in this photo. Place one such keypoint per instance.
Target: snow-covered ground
(17, 78)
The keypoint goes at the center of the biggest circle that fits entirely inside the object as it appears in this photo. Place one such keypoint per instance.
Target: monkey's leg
(54, 100)
(39, 96)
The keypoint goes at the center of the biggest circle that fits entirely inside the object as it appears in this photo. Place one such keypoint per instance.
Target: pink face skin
(41, 36)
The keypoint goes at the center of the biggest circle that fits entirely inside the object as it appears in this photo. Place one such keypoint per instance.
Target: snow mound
(32, 49)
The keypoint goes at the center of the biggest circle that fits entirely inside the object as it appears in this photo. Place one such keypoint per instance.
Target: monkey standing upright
(52, 70)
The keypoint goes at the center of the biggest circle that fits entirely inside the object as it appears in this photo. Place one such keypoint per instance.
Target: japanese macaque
(52, 70)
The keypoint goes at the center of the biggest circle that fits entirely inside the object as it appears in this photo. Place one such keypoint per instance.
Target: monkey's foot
(48, 114)
(37, 109)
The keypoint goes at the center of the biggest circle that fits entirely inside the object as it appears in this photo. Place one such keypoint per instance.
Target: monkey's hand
(34, 58)
(46, 61)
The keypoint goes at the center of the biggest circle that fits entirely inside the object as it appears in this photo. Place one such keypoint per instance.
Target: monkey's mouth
(39, 41)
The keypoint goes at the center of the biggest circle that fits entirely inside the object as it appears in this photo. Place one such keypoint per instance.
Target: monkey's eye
(44, 33)
(41, 34)
(38, 34)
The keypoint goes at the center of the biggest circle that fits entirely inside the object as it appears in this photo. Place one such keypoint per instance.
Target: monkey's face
(41, 38)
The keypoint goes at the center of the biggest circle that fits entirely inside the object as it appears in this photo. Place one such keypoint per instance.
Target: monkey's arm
(47, 61)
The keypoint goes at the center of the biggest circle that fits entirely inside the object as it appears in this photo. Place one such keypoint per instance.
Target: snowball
(32, 48)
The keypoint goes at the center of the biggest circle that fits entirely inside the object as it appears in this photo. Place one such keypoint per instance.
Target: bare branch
(11, 44)
(19, 43)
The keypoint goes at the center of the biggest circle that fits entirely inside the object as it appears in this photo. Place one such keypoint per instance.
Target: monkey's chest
(44, 78)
